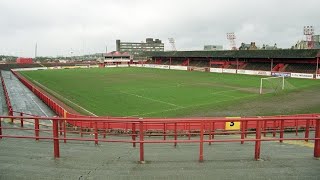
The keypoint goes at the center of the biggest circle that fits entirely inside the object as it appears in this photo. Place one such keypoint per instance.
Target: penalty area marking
(196, 105)
(155, 100)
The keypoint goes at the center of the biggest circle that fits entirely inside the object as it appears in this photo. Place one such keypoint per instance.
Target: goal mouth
(272, 85)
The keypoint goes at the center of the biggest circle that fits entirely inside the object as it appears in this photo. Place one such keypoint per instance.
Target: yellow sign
(232, 125)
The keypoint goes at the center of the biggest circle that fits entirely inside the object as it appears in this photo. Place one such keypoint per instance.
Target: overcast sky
(88, 26)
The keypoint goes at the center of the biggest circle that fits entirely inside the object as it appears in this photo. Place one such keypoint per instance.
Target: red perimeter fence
(139, 134)
(204, 129)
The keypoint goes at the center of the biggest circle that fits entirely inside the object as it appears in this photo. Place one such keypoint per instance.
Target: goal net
(272, 84)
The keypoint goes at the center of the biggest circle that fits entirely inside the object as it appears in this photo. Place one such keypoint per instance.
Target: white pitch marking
(61, 96)
(192, 106)
(219, 92)
(151, 99)
(66, 99)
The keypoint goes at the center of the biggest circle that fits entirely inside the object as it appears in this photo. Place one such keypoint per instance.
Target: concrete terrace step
(22, 99)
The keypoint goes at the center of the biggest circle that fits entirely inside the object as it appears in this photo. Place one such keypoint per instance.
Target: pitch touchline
(66, 99)
(61, 96)
(151, 99)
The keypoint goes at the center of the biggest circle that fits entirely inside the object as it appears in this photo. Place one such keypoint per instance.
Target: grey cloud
(85, 26)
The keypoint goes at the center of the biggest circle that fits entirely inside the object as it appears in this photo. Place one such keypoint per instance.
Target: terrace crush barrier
(139, 135)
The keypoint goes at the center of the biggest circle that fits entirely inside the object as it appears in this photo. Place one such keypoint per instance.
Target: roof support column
(317, 68)
(237, 65)
(271, 65)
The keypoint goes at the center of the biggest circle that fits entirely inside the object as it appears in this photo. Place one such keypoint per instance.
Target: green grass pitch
(143, 92)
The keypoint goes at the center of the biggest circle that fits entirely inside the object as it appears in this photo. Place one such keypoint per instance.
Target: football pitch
(143, 92)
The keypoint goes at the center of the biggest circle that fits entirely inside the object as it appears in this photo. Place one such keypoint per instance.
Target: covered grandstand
(288, 60)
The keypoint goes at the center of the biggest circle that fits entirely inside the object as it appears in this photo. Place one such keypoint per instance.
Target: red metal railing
(9, 106)
(137, 133)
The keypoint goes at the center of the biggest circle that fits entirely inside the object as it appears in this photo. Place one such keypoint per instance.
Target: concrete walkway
(29, 159)
(22, 99)
(3, 105)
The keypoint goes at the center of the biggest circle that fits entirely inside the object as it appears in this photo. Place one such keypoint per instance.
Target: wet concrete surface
(3, 105)
(29, 159)
(22, 99)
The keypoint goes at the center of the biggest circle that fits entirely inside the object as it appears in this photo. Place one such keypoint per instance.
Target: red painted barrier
(9, 106)
(200, 137)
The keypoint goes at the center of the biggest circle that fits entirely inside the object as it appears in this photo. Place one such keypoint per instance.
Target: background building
(304, 44)
(136, 48)
(251, 46)
(213, 47)
(269, 47)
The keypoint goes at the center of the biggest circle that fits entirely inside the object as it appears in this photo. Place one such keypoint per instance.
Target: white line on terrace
(38, 105)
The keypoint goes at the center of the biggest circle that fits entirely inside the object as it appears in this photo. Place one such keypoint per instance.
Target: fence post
(141, 139)
(21, 120)
(133, 134)
(258, 141)
(81, 133)
(96, 133)
(281, 130)
(245, 129)
(201, 143)
(189, 134)
(274, 128)
(105, 130)
(56, 150)
(36, 128)
(265, 128)
(60, 127)
(64, 131)
(0, 128)
(175, 135)
(210, 132)
(296, 123)
(213, 128)
(164, 131)
(242, 131)
(306, 135)
(11, 114)
(317, 141)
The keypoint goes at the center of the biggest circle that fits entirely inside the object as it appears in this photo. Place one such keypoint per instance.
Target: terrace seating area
(7, 67)
(301, 68)
(258, 66)
(199, 63)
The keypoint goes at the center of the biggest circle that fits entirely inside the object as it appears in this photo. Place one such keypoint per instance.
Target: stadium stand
(7, 67)
(258, 66)
(301, 68)
(290, 60)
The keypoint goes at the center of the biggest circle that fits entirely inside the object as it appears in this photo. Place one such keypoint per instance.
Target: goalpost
(272, 83)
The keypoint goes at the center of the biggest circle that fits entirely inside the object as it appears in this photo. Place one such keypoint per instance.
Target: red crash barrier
(137, 132)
